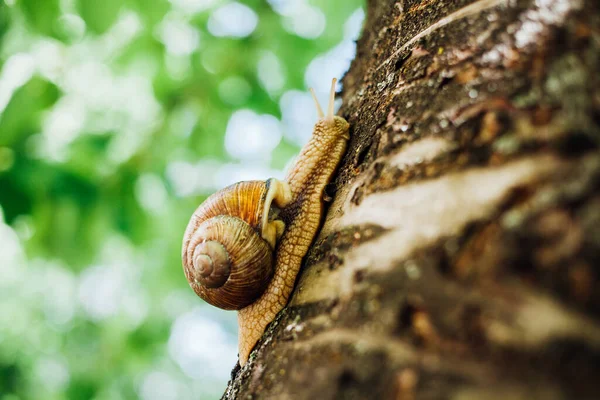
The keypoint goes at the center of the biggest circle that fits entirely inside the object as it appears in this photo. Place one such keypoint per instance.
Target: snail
(244, 245)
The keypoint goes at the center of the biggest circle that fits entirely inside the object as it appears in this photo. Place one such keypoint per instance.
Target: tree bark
(460, 256)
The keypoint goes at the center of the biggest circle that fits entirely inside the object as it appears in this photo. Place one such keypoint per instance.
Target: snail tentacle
(280, 193)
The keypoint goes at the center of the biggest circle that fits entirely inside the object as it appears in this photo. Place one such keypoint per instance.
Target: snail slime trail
(244, 246)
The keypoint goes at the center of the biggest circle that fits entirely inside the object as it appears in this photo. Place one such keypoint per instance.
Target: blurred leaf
(151, 11)
(21, 118)
(41, 15)
(88, 156)
(99, 15)
(13, 199)
(82, 389)
(10, 377)
(4, 19)
(68, 215)
(127, 214)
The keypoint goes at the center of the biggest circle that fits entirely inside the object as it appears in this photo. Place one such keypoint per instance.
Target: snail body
(221, 262)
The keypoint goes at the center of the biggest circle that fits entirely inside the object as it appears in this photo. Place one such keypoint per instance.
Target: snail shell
(228, 245)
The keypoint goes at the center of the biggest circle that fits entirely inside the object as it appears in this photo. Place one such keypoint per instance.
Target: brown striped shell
(225, 259)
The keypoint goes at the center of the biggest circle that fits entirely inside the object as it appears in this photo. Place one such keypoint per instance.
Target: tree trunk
(460, 256)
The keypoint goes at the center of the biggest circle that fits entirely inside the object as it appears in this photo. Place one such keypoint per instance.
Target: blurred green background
(117, 118)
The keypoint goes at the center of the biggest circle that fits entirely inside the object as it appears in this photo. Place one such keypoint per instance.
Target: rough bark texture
(460, 257)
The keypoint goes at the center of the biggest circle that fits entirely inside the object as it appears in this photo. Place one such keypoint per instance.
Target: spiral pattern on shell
(226, 261)
(211, 264)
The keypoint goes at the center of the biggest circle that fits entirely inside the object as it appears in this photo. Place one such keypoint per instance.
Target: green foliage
(99, 16)
(113, 117)
(42, 16)
(22, 115)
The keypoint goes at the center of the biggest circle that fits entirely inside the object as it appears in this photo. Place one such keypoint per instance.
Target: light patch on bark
(413, 153)
(535, 22)
(539, 320)
(422, 150)
(507, 391)
(417, 215)
(397, 351)
(360, 342)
